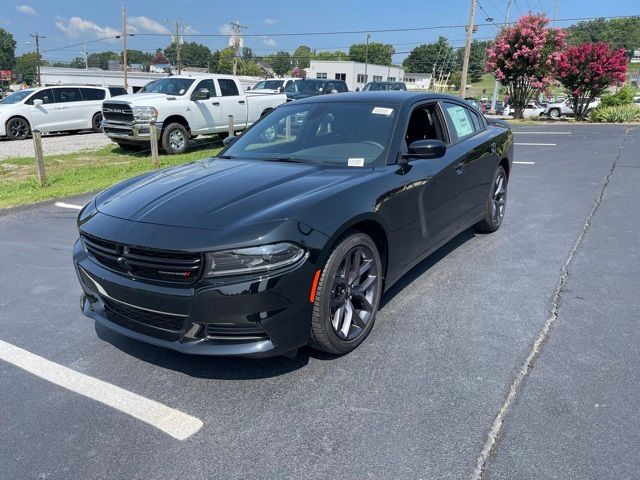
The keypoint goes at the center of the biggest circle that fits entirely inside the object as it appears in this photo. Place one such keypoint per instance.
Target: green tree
(192, 54)
(477, 60)
(247, 54)
(7, 50)
(425, 57)
(251, 69)
(617, 32)
(101, 59)
(280, 62)
(376, 53)
(337, 55)
(25, 65)
(302, 56)
(138, 56)
(225, 60)
(77, 62)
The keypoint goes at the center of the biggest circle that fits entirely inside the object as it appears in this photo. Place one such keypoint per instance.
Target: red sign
(5, 75)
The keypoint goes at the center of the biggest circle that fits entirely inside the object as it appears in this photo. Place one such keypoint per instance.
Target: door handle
(493, 147)
(459, 167)
(241, 101)
(215, 104)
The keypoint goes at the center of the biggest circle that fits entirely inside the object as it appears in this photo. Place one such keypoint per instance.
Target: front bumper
(255, 317)
(131, 132)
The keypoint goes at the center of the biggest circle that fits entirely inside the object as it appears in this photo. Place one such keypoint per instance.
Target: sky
(68, 22)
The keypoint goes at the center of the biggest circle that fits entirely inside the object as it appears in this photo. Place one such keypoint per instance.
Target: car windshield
(170, 86)
(304, 86)
(268, 85)
(340, 133)
(17, 97)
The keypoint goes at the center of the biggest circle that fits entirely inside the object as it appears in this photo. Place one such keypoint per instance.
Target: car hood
(298, 96)
(219, 193)
(143, 98)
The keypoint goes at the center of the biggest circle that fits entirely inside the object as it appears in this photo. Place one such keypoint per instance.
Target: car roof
(398, 97)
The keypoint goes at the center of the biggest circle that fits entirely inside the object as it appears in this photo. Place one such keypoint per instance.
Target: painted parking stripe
(537, 144)
(525, 163)
(68, 205)
(173, 422)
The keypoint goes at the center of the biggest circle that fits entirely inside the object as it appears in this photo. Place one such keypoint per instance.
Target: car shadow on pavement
(237, 368)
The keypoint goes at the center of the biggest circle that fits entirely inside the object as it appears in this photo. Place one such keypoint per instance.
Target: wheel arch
(504, 163)
(18, 116)
(266, 111)
(176, 119)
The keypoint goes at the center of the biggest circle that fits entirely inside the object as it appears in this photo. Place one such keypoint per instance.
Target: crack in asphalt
(544, 333)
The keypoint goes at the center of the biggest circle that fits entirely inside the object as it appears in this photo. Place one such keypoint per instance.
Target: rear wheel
(348, 295)
(554, 113)
(496, 203)
(18, 128)
(96, 122)
(175, 139)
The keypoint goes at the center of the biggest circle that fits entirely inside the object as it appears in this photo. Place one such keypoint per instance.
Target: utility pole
(176, 39)
(86, 58)
(37, 36)
(124, 47)
(366, 59)
(236, 42)
(496, 86)
(467, 51)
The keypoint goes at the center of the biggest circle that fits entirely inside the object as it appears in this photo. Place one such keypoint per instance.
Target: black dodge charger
(292, 233)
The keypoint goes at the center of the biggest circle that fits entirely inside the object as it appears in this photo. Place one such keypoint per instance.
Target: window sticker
(355, 162)
(460, 120)
(382, 111)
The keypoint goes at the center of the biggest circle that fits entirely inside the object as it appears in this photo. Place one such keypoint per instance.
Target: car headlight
(145, 114)
(252, 260)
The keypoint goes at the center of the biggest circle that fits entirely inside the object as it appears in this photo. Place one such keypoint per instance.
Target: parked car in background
(272, 85)
(532, 109)
(473, 102)
(484, 98)
(52, 109)
(565, 108)
(381, 86)
(274, 245)
(305, 88)
(182, 107)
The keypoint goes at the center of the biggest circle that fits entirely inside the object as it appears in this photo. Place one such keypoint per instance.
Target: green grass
(86, 171)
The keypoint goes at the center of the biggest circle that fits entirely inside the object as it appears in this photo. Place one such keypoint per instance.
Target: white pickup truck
(183, 107)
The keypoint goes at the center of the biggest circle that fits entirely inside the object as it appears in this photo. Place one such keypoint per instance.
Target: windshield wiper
(291, 160)
(227, 157)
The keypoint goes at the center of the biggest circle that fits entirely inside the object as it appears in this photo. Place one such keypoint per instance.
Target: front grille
(117, 112)
(159, 265)
(165, 321)
(235, 332)
(118, 131)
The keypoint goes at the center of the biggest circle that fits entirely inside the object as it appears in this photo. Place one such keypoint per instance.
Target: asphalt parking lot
(511, 356)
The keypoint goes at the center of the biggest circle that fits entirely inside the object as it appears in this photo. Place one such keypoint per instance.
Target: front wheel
(347, 296)
(96, 122)
(18, 129)
(496, 204)
(175, 139)
(554, 113)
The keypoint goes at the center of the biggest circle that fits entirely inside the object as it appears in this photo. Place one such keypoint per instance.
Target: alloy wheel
(18, 128)
(499, 198)
(176, 140)
(354, 290)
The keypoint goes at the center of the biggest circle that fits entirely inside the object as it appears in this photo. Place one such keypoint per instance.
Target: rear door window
(93, 93)
(67, 95)
(228, 87)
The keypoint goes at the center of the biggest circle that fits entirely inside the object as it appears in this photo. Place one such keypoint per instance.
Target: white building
(353, 72)
(636, 56)
(417, 81)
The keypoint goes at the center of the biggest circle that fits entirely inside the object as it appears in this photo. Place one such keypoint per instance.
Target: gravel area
(53, 144)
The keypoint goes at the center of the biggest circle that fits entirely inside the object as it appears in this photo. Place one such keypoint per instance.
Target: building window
(341, 76)
(391, 79)
(377, 78)
(321, 75)
(362, 78)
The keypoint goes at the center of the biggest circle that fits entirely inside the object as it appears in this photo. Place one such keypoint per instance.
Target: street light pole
(366, 58)
(496, 86)
(467, 51)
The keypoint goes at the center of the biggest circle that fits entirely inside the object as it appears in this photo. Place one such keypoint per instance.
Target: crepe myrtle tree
(587, 70)
(522, 58)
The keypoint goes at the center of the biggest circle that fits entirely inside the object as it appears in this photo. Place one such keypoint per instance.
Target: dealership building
(354, 72)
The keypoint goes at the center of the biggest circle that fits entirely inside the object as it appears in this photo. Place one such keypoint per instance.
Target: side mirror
(229, 140)
(38, 102)
(280, 89)
(427, 149)
(201, 94)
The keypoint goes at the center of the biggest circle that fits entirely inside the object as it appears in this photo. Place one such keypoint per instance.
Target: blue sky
(66, 22)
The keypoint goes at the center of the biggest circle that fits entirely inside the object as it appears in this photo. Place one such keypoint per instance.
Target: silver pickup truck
(182, 107)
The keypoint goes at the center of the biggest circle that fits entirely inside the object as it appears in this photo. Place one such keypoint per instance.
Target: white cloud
(144, 24)
(269, 41)
(270, 21)
(224, 29)
(77, 26)
(26, 9)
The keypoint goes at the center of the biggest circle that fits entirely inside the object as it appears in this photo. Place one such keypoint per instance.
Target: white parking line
(68, 205)
(525, 163)
(537, 144)
(542, 133)
(173, 422)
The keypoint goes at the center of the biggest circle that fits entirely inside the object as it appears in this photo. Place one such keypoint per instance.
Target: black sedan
(290, 236)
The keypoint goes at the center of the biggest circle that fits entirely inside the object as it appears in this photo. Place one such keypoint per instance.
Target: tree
(587, 70)
(101, 59)
(225, 60)
(247, 54)
(617, 32)
(25, 65)
(77, 62)
(138, 56)
(7, 50)
(477, 59)
(251, 69)
(280, 62)
(375, 53)
(522, 57)
(192, 54)
(159, 58)
(337, 55)
(302, 56)
(425, 57)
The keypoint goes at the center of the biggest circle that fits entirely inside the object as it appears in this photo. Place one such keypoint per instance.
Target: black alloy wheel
(96, 122)
(18, 129)
(348, 295)
(496, 203)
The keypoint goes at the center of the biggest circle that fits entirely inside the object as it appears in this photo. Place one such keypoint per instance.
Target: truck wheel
(554, 113)
(175, 139)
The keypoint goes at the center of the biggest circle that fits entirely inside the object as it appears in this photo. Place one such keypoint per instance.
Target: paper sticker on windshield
(382, 111)
(181, 91)
(355, 162)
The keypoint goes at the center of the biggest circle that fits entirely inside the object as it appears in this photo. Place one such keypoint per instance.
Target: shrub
(624, 96)
(615, 114)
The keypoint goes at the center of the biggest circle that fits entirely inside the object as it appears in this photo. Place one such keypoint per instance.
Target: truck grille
(117, 112)
(159, 265)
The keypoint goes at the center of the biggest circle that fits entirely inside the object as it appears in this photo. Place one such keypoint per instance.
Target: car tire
(496, 203)
(96, 122)
(130, 147)
(355, 295)
(18, 128)
(175, 139)
(555, 113)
